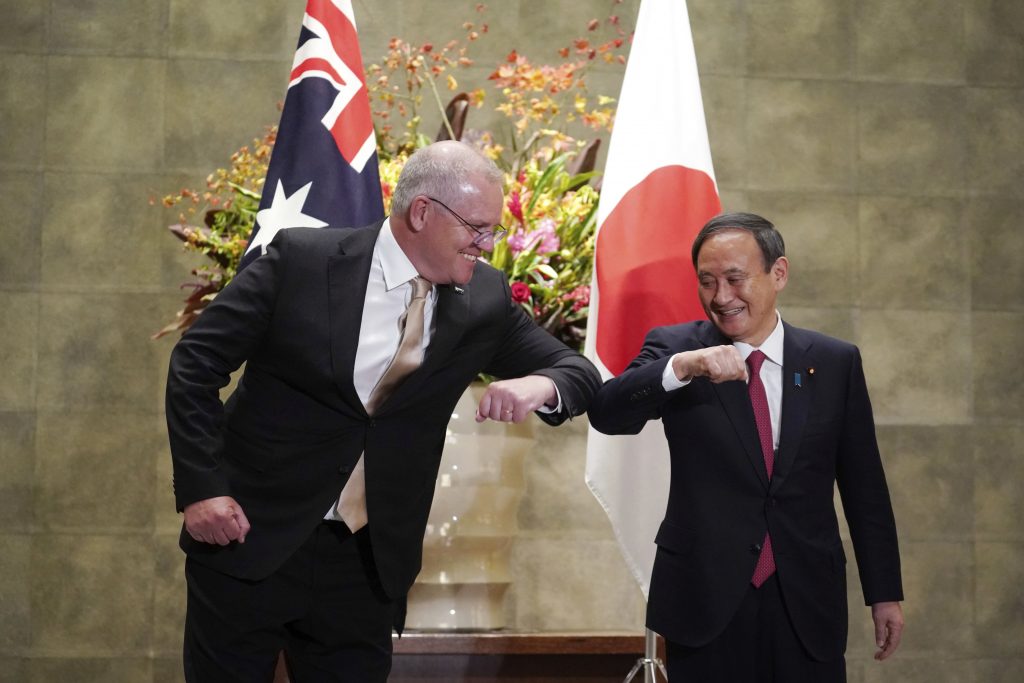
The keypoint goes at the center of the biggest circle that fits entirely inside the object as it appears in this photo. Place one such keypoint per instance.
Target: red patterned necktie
(759, 401)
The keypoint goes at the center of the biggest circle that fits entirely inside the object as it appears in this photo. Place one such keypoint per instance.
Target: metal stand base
(649, 663)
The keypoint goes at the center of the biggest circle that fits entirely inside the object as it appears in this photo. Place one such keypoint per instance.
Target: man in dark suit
(306, 494)
(762, 420)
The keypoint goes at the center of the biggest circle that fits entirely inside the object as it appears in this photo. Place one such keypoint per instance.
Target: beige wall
(882, 136)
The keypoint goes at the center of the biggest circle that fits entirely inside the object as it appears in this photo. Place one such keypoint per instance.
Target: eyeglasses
(481, 236)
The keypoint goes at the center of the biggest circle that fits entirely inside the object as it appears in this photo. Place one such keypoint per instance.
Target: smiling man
(763, 419)
(305, 495)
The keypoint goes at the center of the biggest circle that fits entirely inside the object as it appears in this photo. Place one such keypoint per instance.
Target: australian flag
(323, 171)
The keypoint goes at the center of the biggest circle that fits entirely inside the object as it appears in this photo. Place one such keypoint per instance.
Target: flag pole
(649, 663)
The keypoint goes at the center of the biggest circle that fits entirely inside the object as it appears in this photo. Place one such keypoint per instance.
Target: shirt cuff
(558, 408)
(669, 381)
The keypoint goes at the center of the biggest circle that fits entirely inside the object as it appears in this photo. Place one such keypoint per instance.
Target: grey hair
(438, 170)
(768, 238)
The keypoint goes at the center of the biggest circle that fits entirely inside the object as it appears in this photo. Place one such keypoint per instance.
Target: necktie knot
(755, 360)
(420, 287)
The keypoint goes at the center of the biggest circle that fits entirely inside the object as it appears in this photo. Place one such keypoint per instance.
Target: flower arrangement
(550, 206)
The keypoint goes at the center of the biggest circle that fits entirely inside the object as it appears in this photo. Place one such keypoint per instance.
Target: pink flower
(580, 297)
(545, 232)
(520, 292)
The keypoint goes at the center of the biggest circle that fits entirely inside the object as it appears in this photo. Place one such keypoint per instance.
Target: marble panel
(82, 455)
(95, 352)
(900, 348)
(13, 669)
(821, 235)
(168, 596)
(104, 113)
(910, 139)
(930, 473)
(801, 135)
(89, 669)
(725, 114)
(998, 374)
(23, 107)
(1007, 670)
(19, 228)
(557, 498)
(15, 607)
(915, 40)
(720, 33)
(92, 595)
(996, 253)
(801, 38)
(994, 41)
(19, 335)
(24, 27)
(168, 670)
(907, 669)
(213, 107)
(102, 27)
(96, 233)
(835, 322)
(939, 585)
(17, 462)
(998, 482)
(231, 29)
(995, 164)
(570, 584)
(998, 599)
(913, 254)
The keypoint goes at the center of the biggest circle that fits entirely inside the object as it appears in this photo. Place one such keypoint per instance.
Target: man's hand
(888, 618)
(717, 363)
(217, 520)
(512, 400)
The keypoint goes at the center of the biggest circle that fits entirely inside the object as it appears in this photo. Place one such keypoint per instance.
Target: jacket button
(373, 423)
(344, 469)
(755, 548)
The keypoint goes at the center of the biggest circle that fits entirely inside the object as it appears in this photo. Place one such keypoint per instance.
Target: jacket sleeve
(526, 349)
(865, 495)
(221, 339)
(625, 403)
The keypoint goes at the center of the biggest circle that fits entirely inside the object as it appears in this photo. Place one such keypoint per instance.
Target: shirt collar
(395, 265)
(771, 347)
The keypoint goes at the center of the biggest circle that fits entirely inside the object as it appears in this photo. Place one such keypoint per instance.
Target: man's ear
(780, 273)
(418, 213)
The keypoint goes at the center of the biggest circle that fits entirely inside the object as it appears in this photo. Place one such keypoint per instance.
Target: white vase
(473, 519)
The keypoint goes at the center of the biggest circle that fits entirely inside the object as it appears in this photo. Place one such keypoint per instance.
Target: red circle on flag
(645, 277)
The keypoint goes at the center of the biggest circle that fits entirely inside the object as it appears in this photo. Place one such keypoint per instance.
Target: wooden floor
(512, 658)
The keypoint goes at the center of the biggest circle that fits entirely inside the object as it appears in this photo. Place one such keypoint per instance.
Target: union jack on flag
(323, 171)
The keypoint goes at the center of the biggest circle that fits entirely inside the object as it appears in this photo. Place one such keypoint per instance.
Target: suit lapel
(736, 403)
(796, 401)
(347, 274)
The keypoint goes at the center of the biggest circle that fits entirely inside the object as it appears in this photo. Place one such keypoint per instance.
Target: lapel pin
(810, 371)
(796, 379)
(458, 290)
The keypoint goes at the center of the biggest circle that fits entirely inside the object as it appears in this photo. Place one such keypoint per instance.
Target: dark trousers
(323, 607)
(758, 646)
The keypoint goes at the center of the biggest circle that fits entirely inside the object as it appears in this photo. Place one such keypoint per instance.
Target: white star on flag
(283, 213)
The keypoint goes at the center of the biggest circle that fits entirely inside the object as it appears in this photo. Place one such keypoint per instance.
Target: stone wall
(883, 137)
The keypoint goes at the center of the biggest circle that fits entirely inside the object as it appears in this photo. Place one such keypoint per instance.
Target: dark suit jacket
(721, 502)
(284, 443)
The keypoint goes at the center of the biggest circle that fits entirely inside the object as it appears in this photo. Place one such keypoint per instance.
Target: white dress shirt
(771, 374)
(388, 292)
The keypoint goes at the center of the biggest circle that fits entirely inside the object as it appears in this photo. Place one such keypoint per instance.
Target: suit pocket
(675, 538)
